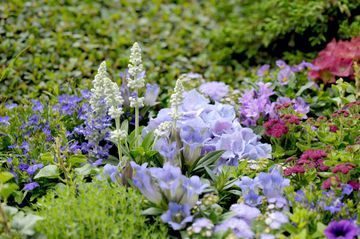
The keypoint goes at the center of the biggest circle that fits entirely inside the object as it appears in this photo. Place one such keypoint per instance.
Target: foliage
(95, 210)
(256, 31)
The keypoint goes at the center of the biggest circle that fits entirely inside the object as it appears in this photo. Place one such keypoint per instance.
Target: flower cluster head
(215, 90)
(201, 227)
(205, 127)
(136, 70)
(312, 158)
(286, 73)
(177, 216)
(343, 229)
(272, 185)
(336, 60)
(275, 219)
(167, 184)
(343, 168)
(275, 128)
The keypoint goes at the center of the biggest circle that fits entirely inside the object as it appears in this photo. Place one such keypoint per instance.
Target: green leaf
(211, 174)
(5, 176)
(207, 160)
(25, 223)
(84, 170)
(152, 211)
(46, 158)
(49, 171)
(148, 141)
(77, 159)
(7, 189)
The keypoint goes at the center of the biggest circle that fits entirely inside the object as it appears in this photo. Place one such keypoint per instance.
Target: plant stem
(4, 220)
(136, 126)
(117, 123)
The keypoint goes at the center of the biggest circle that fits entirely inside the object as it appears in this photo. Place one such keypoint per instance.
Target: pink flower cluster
(343, 168)
(309, 159)
(336, 60)
(275, 128)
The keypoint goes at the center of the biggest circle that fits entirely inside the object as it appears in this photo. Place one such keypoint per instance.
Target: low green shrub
(96, 210)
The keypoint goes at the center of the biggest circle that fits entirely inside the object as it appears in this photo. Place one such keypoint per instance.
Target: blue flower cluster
(206, 127)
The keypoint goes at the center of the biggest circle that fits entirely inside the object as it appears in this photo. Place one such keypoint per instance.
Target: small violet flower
(177, 216)
(215, 90)
(343, 229)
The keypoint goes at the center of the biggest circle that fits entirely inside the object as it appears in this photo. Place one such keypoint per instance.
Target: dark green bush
(257, 31)
(96, 210)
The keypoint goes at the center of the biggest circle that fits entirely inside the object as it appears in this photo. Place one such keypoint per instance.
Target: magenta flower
(275, 128)
(343, 229)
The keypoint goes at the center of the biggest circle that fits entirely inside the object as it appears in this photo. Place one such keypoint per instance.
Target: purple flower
(272, 183)
(347, 189)
(193, 187)
(281, 64)
(23, 166)
(285, 75)
(245, 212)
(4, 120)
(263, 70)
(343, 229)
(143, 181)
(166, 149)
(215, 90)
(201, 224)
(177, 216)
(276, 219)
(151, 94)
(10, 106)
(112, 172)
(242, 144)
(267, 236)
(25, 146)
(238, 226)
(32, 169)
(30, 186)
(301, 107)
(37, 106)
(67, 104)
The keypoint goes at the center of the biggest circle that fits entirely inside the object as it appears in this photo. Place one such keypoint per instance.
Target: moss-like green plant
(96, 210)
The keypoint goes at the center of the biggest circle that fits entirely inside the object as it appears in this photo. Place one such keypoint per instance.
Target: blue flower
(245, 212)
(272, 183)
(276, 219)
(112, 171)
(4, 120)
(30, 186)
(263, 70)
(37, 106)
(166, 149)
(33, 168)
(238, 226)
(143, 181)
(177, 216)
(151, 94)
(215, 90)
(11, 106)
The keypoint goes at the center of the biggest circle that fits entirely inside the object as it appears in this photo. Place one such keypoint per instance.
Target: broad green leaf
(77, 159)
(152, 211)
(207, 160)
(49, 171)
(7, 189)
(5, 176)
(46, 158)
(84, 170)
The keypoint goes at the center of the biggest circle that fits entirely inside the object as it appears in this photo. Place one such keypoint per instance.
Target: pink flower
(343, 168)
(333, 128)
(332, 181)
(354, 184)
(275, 128)
(295, 169)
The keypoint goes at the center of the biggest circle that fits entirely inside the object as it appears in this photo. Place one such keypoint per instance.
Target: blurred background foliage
(48, 46)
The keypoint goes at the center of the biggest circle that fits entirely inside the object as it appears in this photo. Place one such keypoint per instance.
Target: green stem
(4, 220)
(117, 123)
(136, 126)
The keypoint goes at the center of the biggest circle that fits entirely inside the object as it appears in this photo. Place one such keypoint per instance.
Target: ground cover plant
(129, 155)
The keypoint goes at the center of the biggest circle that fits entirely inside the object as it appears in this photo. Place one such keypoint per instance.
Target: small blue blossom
(177, 216)
(215, 90)
(151, 94)
(37, 106)
(4, 120)
(30, 186)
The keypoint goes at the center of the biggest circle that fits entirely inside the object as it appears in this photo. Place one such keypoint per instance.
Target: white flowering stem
(137, 126)
(117, 124)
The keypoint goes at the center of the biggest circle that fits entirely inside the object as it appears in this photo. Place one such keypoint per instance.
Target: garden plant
(184, 119)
